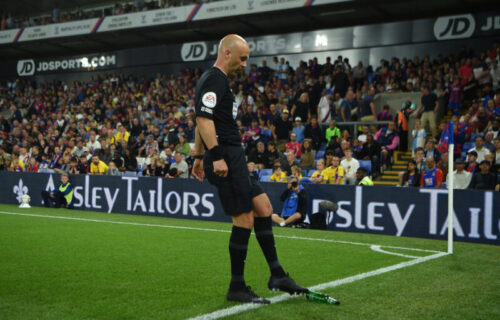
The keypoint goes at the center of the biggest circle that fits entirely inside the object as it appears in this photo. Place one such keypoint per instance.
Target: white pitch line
(379, 249)
(208, 230)
(246, 307)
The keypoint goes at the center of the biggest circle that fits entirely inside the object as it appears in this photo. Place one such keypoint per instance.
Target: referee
(220, 157)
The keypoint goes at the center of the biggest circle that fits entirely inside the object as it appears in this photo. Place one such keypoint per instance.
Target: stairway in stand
(390, 177)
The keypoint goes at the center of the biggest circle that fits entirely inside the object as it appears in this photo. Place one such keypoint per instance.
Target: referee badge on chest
(235, 110)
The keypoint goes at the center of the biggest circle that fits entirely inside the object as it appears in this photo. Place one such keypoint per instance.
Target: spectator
(359, 75)
(252, 169)
(483, 179)
(183, 146)
(73, 169)
(472, 165)
(113, 170)
(461, 177)
(432, 177)
(350, 166)
(431, 151)
(281, 128)
(97, 166)
(443, 164)
(150, 148)
(297, 172)
(479, 148)
(289, 162)
(294, 206)
(318, 176)
(294, 146)
(365, 130)
(384, 115)
(371, 151)
(271, 155)
(335, 172)
(278, 175)
(388, 140)
(60, 196)
(332, 131)
(308, 154)
(180, 166)
(429, 108)
(258, 156)
(411, 177)
(314, 133)
(418, 134)
(362, 177)
(346, 107)
(301, 108)
(367, 107)
(401, 121)
(340, 81)
(121, 135)
(326, 108)
(33, 166)
(299, 129)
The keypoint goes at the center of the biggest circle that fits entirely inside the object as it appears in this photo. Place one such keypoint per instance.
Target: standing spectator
(461, 177)
(314, 133)
(367, 107)
(301, 108)
(359, 75)
(402, 125)
(281, 128)
(384, 115)
(332, 131)
(326, 108)
(346, 107)
(432, 177)
(483, 179)
(430, 107)
(455, 91)
(307, 157)
(419, 135)
(350, 166)
(340, 81)
(299, 129)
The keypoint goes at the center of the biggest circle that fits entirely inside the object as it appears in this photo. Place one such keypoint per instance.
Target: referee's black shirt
(214, 100)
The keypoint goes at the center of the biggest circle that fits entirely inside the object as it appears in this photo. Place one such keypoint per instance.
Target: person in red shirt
(465, 71)
(33, 167)
(293, 145)
(432, 177)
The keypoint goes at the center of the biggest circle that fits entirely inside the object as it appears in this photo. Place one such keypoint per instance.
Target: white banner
(73, 28)
(8, 36)
(36, 33)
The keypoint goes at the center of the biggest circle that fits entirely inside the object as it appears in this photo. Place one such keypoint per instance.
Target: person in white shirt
(460, 175)
(479, 148)
(325, 108)
(93, 144)
(350, 166)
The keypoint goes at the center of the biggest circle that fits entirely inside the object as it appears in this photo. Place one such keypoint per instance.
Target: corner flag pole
(451, 148)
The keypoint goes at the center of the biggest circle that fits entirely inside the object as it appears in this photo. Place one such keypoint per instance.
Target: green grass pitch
(114, 266)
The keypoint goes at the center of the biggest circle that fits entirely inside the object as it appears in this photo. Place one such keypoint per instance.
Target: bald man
(220, 157)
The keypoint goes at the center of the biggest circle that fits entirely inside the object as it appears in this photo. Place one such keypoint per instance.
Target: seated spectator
(167, 155)
(388, 139)
(113, 170)
(488, 142)
(183, 146)
(60, 196)
(271, 156)
(180, 166)
(350, 166)
(362, 178)
(318, 176)
(121, 134)
(483, 179)
(278, 175)
(294, 146)
(150, 148)
(365, 130)
(258, 156)
(98, 167)
(461, 177)
(297, 172)
(130, 161)
(332, 131)
(33, 166)
(152, 169)
(472, 166)
(74, 166)
(252, 169)
(432, 177)
(411, 177)
(335, 172)
(83, 166)
(65, 165)
(16, 164)
(79, 149)
(443, 164)
(307, 158)
(289, 162)
(294, 206)
(479, 148)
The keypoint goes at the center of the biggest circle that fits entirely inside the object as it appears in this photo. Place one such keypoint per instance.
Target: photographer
(295, 204)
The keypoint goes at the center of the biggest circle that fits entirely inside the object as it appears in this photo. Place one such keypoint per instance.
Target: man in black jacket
(485, 179)
(371, 151)
(294, 206)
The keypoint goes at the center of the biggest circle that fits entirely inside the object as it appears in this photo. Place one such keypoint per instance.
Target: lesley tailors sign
(379, 210)
(88, 63)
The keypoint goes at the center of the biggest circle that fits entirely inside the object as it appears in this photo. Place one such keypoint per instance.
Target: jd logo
(454, 27)
(26, 67)
(194, 51)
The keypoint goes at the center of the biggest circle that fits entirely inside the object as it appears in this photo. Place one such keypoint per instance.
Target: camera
(294, 184)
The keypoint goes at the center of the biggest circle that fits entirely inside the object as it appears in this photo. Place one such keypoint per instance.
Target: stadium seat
(266, 172)
(367, 164)
(264, 178)
(319, 155)
(474, 135)
(310, 172)
(129, 174)
(322, 147)
(468, 146)
(305, 180)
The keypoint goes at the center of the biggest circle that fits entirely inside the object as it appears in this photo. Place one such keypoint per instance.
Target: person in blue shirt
(295, 204)
(299, 129)
(60, 196)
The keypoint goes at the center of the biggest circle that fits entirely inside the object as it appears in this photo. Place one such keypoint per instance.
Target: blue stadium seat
(468, 146)
(474, 135)
(129, 174)
(322, 147)
(319, 155)
(310, 172)
(265, 172)
(264, 178)
(305, 180)
(367, 164)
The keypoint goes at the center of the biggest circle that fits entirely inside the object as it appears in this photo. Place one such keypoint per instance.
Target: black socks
(264, 233)
(238, 245)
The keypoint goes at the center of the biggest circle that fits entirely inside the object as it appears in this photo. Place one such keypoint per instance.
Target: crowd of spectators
(10, 21)
(291, 120)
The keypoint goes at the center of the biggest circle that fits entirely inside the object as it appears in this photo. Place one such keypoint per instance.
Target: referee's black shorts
(237, 190)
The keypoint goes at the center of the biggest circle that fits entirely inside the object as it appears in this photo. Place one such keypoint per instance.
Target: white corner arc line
(379, 249)
(209, 230)
(246, 307)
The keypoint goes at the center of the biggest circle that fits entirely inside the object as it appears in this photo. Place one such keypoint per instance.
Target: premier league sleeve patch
(209, 99)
